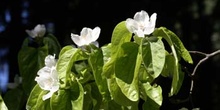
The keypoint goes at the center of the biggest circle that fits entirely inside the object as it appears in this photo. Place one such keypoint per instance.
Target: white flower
(141, 25)
(38, 31)
(48, 77)
(17, 81)
(86, 37)
(50, 61)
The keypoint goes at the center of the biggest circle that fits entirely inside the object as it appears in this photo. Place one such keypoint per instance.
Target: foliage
(119, 75)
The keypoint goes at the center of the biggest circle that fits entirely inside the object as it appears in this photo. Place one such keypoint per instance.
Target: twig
(207, 56)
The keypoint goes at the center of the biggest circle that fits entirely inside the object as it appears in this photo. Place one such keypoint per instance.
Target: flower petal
(76, 39)
(131, 25)
(40, 30)
(50, 61)
(139, 33)
(86, 36)
(95, 34)
(141, 16)
(31, 33)
(153, 19)
(151, 26)
(44, 71)
(54, 74)
(96, 43)
(48, 95)
(43, 83)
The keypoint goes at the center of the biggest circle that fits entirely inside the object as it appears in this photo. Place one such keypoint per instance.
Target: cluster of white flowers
(48, 77)
(141, 25)
(48, 80)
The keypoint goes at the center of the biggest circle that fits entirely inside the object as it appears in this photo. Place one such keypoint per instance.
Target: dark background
(196, 22)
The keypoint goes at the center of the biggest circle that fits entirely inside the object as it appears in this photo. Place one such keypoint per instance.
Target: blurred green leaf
(30, 60)
(15, 99)
(53, 45)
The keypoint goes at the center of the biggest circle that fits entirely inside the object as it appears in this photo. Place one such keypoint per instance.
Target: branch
(207, 56)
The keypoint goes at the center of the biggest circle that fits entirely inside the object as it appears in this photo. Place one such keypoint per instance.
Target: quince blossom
(48, 77)
(38, 31)
(87, 36)
(141, 25)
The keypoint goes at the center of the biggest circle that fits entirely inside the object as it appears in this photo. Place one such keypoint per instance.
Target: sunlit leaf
(35, 100)
(174, 40)
(67, 57)
(117, 94)
(153, 54)
(77, 89)
(125, 65)
(120, 35)
(178, 51)
(153, 96)
(61, 100)
(96, 63)
(2, 104)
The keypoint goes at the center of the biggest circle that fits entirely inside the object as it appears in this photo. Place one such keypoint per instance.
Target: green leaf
(144, 76)
(178, 51)
(177, 81)
(112, 105)
(137, 39)
(106, 49)
(153, 55)
(96, 63)
(125, 67)
(15, 99)
(153, 96)
(30, 60)
(150, 105)
(68, 99)
(77, 90)
(92, 100)
(61, 100)
(53, 44)
(169, 64)
(97, 99)
(117, 94)
(120, 35)
(126, 61)
(174, 40)
(35, 101)
(2, 104)
(67, 57)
